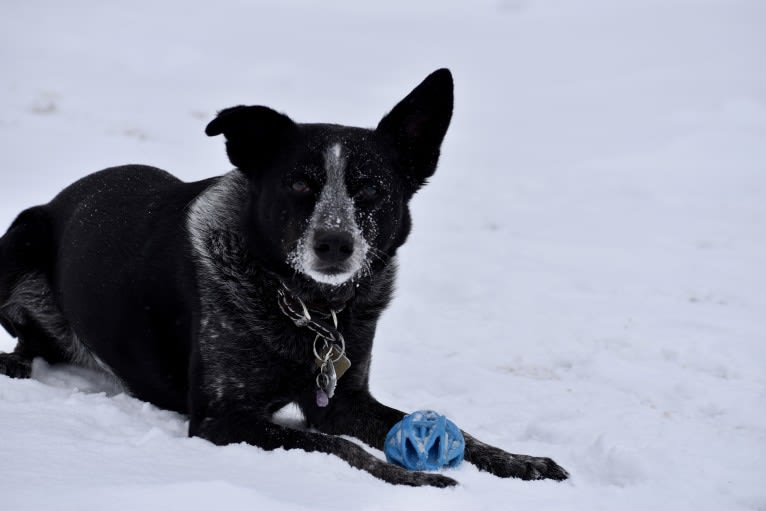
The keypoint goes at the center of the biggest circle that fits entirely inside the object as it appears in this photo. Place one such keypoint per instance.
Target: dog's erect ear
(417, 125)
(255, 135)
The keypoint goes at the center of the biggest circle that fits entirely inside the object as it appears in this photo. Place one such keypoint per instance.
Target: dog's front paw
(394, 474)
(436, 480)
(504, 464)
(531, 467)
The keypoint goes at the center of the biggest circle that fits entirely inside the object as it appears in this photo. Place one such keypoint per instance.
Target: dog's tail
(27, 247)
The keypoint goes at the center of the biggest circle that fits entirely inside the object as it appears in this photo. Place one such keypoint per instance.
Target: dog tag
(341, 365)
(322, 398)
(340, 361)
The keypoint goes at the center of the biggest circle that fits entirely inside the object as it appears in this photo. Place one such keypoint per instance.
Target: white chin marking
(335, 279)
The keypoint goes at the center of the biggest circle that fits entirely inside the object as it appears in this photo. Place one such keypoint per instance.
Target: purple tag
(322, 399)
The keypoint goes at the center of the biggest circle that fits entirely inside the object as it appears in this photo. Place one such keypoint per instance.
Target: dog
(228, 298)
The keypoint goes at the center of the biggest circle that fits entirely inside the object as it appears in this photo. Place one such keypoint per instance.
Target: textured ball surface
(425, 440)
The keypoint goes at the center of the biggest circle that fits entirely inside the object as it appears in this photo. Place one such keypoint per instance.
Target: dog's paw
(504, 464)
(15, 366)
(424, 479)
(394, 474)
(436, 480)
(538, 468)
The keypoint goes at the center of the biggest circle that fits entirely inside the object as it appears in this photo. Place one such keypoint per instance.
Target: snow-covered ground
(585, 279)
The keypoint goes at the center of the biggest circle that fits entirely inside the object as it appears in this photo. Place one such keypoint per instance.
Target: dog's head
(329, 203)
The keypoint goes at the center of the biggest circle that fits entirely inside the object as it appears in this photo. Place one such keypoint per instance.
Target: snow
(585, 276)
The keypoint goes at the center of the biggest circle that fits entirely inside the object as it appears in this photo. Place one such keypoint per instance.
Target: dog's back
(96, 261)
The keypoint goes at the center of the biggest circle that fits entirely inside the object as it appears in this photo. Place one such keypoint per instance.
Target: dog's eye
(368, 193)
(300, 187)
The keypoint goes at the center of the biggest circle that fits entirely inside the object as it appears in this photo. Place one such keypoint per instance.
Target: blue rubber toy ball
(425, 440)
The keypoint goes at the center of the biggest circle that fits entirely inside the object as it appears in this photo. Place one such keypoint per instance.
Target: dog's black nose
(333, 247)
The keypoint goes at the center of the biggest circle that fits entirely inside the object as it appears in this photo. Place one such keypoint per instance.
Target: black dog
(228, 298)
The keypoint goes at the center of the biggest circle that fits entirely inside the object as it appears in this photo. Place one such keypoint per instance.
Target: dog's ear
(417, 125)
(255, 135)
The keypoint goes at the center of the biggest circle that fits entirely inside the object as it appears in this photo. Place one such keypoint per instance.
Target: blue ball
(424, 440)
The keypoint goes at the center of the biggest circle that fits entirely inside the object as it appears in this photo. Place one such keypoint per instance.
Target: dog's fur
(172, 287)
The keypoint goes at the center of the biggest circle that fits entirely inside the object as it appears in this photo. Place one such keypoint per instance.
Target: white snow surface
(583, 281)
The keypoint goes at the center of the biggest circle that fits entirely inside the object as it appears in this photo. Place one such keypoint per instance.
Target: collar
(317, 303)
(322, 319)
(329, 347)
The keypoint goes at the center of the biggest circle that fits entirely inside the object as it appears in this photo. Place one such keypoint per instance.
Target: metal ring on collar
(342, 350)
(316, 352)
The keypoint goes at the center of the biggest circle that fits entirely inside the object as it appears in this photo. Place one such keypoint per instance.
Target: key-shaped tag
(339, 361)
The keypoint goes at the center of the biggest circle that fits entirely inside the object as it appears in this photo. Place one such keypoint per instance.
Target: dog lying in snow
(228, 298)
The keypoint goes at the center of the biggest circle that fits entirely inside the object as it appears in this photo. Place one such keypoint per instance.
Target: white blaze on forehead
(335, 166)
(334, 211)
(335, 151)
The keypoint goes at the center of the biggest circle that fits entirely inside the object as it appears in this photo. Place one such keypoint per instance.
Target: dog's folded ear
(417, 125)
(255, 135)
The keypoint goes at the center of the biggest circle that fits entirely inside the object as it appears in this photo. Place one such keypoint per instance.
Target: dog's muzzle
(332, 249)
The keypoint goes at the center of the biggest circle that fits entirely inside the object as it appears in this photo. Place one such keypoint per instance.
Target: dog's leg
(242, 426)
(357, 414)
(362, 416)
